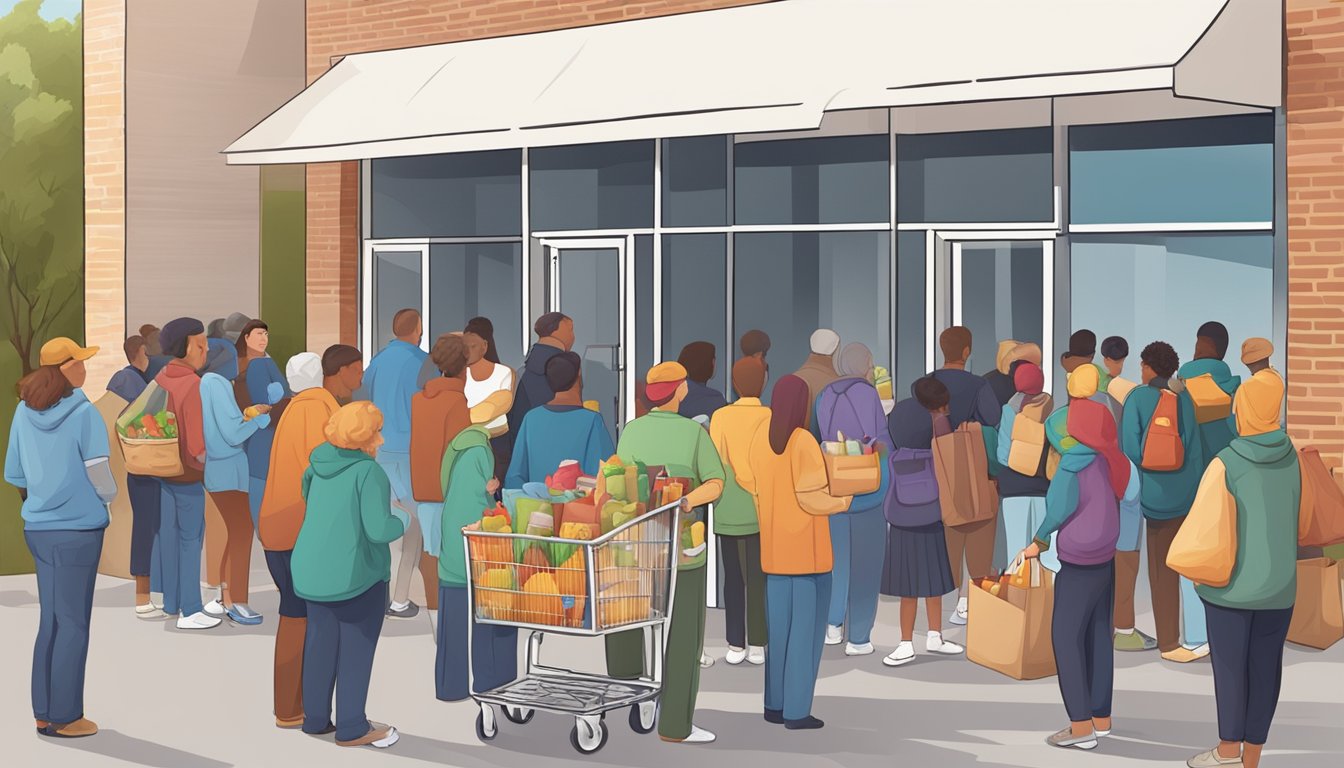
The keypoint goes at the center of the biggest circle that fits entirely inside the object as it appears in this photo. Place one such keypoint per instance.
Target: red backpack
(1163, 450)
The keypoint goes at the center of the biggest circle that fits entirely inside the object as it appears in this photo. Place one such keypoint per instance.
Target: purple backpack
(914, 489)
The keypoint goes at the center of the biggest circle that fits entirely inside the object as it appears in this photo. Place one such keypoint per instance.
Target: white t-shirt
(500, 379)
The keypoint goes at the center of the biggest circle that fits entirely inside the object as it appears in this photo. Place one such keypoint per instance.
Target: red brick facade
(1315, 102)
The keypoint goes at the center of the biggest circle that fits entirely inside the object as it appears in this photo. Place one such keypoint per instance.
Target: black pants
(743, 591)
(1081, 631)
(1247, 651)
(146, 496)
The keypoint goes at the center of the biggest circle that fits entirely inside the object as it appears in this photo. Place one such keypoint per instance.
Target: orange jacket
(793, 503)
(437, 415)
(302, 428)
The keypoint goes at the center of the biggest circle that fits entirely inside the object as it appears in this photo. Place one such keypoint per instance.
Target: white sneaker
(904, 654)
(756, 654)
(216, 608)
(705, 661)
(198, 620)
(834, 635)
(866, 649)
(149, 612)
(735, 656)
(959, 616)
(936, 644)
(1200, 651)
(698, 736)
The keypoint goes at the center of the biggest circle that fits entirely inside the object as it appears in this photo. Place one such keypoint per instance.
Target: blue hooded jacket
(226, 432)
(46, 456)
(390, 381)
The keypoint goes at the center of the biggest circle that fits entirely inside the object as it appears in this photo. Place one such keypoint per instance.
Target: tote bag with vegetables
(147, 432)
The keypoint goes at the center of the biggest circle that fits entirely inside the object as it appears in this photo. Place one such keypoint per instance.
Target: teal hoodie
(1164, 495)
(1219, 434)
(46, 457)
(1264, 478)
(342, 547)
(468, 464)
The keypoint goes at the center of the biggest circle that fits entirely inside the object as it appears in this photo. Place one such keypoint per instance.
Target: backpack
(965, 492)
(1163, 450)
(1026, 451)
(1327, 510)
(1211, 402)
(914, 493)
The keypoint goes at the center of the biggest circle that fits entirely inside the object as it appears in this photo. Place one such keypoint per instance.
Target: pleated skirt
(917, 564)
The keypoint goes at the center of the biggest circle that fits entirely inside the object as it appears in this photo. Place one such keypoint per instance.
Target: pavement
(174, 699)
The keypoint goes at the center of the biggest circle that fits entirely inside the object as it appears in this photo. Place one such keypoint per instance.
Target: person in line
(489, 389)
(321, 386)
(438, 414)
(257, 371)
(1257, 480)
(917, 560)
(220, 351)
(341, 568)
(665, 438)
(182, 510)
(391, 382)
(227, 430)
(58, 459)
(1082, 350)
(1210, 350)
(555, 334)
(1001, 378)
(736, 520)
(144, 492)
(850, 406)
(1023, 494)
(755, 343)
(1083, 513)
(153, 346)
(819, 368)
(1114, 352)
(560, 430)
(1166, 497)
(699, 358)
(970, 547)
(787, 475)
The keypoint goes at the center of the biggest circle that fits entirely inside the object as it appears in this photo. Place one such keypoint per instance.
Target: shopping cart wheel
(588, 737)
(519, 715)
(642, 716)
(487, 727)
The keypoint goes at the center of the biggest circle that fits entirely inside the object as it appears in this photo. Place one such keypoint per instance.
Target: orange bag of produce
(541, 601)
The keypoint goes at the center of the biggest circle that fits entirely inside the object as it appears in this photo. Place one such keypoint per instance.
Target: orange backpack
(1163, 450)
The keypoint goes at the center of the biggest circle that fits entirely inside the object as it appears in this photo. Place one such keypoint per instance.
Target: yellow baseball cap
(62, 350)
(664, 373)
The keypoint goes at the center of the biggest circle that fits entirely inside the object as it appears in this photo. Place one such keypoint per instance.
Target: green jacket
(349, 521)
(1163, 495)
(1264, 478)
(468, 465)
(1219, 434)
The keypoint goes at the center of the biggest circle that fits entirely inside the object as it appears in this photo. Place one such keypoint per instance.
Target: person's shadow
(117, 745)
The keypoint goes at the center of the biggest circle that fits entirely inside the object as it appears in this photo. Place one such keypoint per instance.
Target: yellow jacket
(302, 428)
(732, 428)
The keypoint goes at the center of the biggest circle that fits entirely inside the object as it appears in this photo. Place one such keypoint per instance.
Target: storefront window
(911, 312)
(695, 181)
(396, 286)
(472, 194)
(591, 186)
(1002, 294)
(1217, 169)
(980, 176)
(478, 279)
(643, 305)
(1163, 287)
(791, 284)
(695, 298)
(837, 180)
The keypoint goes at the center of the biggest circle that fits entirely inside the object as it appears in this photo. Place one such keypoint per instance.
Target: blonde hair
(356, 427)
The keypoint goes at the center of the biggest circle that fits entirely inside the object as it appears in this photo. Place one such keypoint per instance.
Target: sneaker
(77, 730)
(216, 608)
(756, 654)
(408, 610)
(735, 656)
(834, 635)
(198, 620)
(808, 723)
(904, 654)
(1185, 655)
(149, 612)
(379, 736)
(959, 616)
(863, 649)
(289, 724)
(936, 644)
(698, 736)
(1212, 759)
(706, 661)
(1134, 641)
(243, 614)
(1065, 740)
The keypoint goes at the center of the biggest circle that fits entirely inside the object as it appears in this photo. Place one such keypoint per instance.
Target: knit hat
(1083, 382)
(1029, 379)
(663, 380)
(1255, 349)
(178, 330)
(1258, 403)
(825, 341)
(304, 372)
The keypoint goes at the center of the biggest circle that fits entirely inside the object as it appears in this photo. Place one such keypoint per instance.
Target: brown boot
(76, 730)
(289, 671)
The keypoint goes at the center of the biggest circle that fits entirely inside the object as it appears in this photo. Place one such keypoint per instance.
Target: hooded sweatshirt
(46, 457)
(532, 390)
(184, 400)
(342, 547)
(391, 382)
(226, 435)
(1165, 495)
(437, 415)
(468, 464)
(302, 428)
(733, 428)
(851, 406)
(553, 433)
(1219, 434)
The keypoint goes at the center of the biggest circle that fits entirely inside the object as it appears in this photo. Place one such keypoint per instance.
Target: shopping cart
(624, 580)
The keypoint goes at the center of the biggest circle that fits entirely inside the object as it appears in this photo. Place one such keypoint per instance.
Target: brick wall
(341, 27)
(104, 187)
(1315, 102)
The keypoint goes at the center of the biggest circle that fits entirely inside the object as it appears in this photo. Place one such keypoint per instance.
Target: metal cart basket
(624, 580)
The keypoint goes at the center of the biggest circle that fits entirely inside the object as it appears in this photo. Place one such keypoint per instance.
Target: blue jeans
(796, 613)
(859, 544)
(338, 647)
(146, 498)
(67, 564)
(181, 532)
(494, 650)
(256, 488)
(1019, 519)
(1194, 623)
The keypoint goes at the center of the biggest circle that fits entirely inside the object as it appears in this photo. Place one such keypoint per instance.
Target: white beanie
(825, 342)
(304, 371)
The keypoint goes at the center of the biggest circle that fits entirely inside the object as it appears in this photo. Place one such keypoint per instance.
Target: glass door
(394, 279)
(587, 281)
(1001, 289)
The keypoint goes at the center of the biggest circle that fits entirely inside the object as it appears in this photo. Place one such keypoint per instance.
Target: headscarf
(789, 403)
(1029, 381)
(222, 359)
(855, 360)
(1004, 358)
(1092, 424)
(1083, 382)
(1028, 351)
(1258, 403)
(304, 372)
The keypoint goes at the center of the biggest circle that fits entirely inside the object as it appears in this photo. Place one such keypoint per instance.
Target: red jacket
(184, 400)
(437, 415)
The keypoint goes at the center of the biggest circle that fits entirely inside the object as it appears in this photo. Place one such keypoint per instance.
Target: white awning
(772, 67)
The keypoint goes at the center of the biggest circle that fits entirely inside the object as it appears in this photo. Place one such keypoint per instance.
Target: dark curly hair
(1162, 358)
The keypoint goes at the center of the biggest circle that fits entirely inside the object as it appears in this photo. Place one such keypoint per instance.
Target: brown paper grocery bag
(1011, 634)
(1318, 616)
